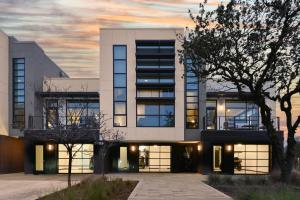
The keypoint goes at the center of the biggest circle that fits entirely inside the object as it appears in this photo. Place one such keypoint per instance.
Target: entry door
(217, 158)
(39, 158)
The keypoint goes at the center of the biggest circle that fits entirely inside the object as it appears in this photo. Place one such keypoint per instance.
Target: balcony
(63, 122)
(240, 123)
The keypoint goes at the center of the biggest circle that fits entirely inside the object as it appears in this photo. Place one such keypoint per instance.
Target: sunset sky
(68, 30)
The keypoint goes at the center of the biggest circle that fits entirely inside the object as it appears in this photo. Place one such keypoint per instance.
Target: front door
(217, 158)
(39, 158)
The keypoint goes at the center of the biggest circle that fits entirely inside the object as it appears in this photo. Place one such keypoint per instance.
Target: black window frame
(114, 87)
(18, 124)
(186, 83)
(159, 115)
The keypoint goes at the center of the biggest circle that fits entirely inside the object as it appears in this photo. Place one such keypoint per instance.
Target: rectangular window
(120, 85)
(83, 160)
(211, 114)
(251, 159)
(191, 97)
(18, 93)
(155, 115)
(241, 114)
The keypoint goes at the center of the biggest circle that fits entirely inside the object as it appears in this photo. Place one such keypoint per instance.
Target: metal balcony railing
(237, 123)
(63, 122)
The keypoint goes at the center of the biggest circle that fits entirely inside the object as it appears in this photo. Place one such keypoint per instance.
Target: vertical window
(191, 97)
(120, 85)
(18, 93)
(211, 114)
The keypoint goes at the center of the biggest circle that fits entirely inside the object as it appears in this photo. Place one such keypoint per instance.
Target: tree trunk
(102, 161)
(275, 138)
(70, 168)
(289, 157)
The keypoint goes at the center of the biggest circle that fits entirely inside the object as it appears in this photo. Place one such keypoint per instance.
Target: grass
(252, 187)
(95, 189)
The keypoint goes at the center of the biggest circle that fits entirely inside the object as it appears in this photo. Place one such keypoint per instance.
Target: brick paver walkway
(155, 186)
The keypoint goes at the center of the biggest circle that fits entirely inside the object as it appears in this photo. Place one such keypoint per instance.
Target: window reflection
(241, 115)
(150, 114)
(154, 158)
(83, 161)
(251, 159)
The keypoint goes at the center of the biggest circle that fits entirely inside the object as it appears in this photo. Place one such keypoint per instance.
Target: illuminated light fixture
(229, 148)
(132, 148)
(239, 145)
(199, 147)
(50, 147)
(155, 146)
(228, 110)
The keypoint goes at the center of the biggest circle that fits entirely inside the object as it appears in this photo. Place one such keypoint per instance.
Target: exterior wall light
(133, 148)
(229, 148)
(50, 147)
(199, 147)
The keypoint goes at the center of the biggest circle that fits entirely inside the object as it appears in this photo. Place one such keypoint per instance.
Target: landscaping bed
(95, 189)
(256, 187)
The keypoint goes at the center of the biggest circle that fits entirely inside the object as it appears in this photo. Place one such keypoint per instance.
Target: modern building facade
(171, 120)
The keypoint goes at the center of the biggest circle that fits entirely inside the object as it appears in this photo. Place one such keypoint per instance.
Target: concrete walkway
(172, 186)
(153, 186)
(30, 187)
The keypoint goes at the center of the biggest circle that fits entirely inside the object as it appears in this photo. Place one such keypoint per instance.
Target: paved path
(153, 186)
(30, 187)
(172, 186)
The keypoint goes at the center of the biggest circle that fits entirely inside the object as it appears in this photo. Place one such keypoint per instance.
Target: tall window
(191, 97)
(120, 85)
(155, 115)
(18, 93)
(211, 114)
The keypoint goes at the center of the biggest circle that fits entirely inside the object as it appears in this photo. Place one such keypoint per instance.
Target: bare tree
(108, 137)
(254, 46)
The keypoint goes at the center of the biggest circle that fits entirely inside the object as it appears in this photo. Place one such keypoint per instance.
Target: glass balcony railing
(237, 123)
(63, 122)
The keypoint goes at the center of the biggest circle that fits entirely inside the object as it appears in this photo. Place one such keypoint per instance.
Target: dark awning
(68, 94)
(236, 136)
(62, 136)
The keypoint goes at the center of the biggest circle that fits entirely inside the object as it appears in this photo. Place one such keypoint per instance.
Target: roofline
(155, 28)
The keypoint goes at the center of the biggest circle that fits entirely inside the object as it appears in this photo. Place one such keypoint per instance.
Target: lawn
(95, 189)
(254, 187)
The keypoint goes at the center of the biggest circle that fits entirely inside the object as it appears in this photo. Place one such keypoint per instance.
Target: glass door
(39, 158)
(217, 158)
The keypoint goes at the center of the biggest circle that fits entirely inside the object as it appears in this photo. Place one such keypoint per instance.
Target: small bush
(227, 180)
(214, 179)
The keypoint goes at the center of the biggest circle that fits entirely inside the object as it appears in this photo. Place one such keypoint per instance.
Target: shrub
(227, 180)
(214, 179)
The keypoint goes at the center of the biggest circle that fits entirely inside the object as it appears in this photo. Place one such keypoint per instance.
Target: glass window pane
(120, 80)
(19, 73)
(119, 52)
(19, 92)
(120, 108)
(191, 86)
(167, 121)
(119, 120)
(147, 121)
(166, 109)
(147, 109)
(119, 66)
(120, 94)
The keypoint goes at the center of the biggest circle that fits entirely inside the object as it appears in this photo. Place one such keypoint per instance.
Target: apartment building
(172, 122)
